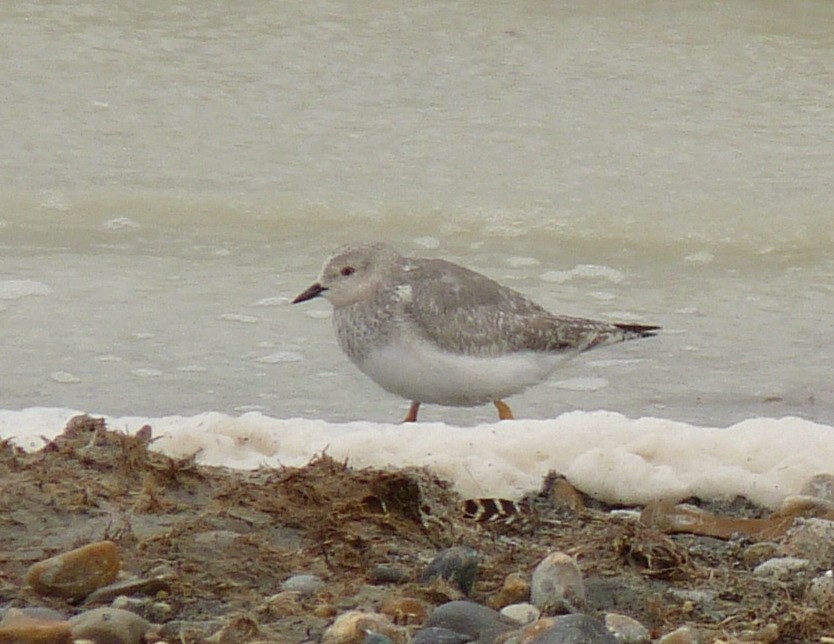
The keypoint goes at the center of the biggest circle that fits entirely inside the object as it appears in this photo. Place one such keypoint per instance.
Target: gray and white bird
(435, 332)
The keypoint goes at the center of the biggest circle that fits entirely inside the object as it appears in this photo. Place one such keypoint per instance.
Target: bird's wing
(463, 311)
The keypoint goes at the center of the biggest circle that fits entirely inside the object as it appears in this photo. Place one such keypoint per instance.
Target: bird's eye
(348, 270)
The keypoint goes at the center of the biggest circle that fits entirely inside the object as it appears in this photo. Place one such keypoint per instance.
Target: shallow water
(174, 175)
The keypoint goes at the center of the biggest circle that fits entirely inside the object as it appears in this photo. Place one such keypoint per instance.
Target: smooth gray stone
(576, 629)
(458, 565)
(304, 584)
(388, 574)
(468, 618)
(437, 635)
(129, 587)
(557, 584)
(111, 625)
(377, 638)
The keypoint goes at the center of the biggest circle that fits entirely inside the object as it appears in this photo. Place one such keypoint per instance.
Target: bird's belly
(419, 371)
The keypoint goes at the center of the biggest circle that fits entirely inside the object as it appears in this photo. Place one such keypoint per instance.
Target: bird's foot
(411, 416)
(504, 411)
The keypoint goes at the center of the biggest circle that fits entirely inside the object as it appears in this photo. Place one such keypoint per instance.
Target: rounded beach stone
(354, 626)
(21, 628)
(389, 574)
(682, 635)
(571, 629)
(111, 625)
(821, 590)
(468, 618)
(458, 565)
(77, 573)
(377, 638)
(557, 583)
(820, 486)
(127, 587)
(811, 539)
(757, 553)
(626, 629)
(438, 635)
(522, 613)
(781, 567)
(304, 584)
(515, 590)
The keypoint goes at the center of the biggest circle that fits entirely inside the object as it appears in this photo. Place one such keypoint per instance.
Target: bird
(434, 332)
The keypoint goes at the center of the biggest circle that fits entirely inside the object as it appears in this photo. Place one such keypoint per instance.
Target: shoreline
(228, 539)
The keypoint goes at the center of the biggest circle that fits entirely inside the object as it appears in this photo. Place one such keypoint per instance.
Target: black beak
(313, 291)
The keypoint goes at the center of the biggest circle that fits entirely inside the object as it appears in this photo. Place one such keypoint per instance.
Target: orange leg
(411, 417)
(504, 412)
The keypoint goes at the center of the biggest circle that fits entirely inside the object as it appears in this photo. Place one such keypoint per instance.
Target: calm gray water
(173, 175)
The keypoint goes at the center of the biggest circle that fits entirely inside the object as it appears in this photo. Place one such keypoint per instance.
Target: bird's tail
(634, 331)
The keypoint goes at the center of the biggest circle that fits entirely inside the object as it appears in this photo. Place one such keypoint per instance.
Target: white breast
(417, 370)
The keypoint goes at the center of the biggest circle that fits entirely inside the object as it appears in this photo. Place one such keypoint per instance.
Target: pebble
(821, 590)
(458, 565)
(568, 629)
(683, 635)
(154, 611)
(111, 625)
(77, 573)
(133, 604)
(811, 539)
(438, 635)
(515, 590)
(282, 604)
(627, 629)
(18, 627)
(522, 613)
(129, 587)
(699, 597)
(377, 638)
(565, 496)
(388, 574)
(186, 631)
(759, 552)
(781, 567)
(806, 506)
(354, 626)
(306, 585)
(557, 583)
(471, 619)
(820, 486)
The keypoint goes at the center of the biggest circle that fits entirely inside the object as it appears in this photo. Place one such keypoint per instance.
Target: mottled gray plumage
(382, 299)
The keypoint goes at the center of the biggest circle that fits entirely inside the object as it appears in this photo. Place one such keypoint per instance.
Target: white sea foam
(238, 317)
(147, 372)
(427, 242)
(16, 289)
(584, 271)
(281, 356)
(121, 223)
(108, 357)
(278, 300)
(521, 262)
(606, 454)
(65, 377)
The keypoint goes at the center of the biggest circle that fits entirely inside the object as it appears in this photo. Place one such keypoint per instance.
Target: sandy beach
(214, 547)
